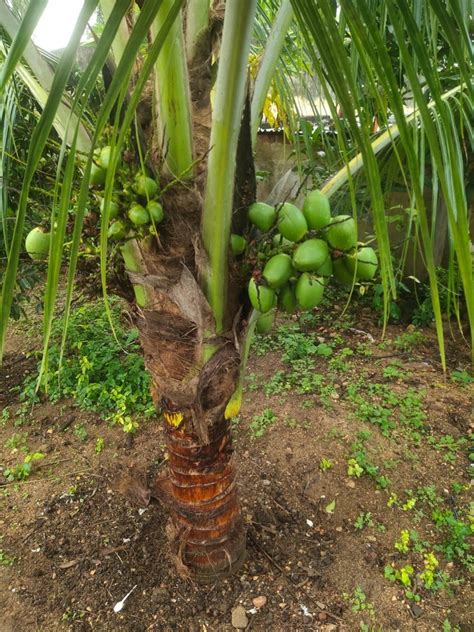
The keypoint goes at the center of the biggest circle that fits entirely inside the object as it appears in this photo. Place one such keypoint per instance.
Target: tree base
(206, 530)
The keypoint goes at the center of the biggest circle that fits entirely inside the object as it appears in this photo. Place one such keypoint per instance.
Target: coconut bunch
(301, 249)
(132, 210)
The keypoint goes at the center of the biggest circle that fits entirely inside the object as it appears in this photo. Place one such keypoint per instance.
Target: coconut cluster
(303, 249)
(133, 210)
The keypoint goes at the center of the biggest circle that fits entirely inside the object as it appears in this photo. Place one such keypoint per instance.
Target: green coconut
(341, 271)
(341, 233)
(291, 222)
(97, 175)
(278, 270)
(316, 210)
(325, 271)
(309, 291)
(37, 244)
(287, 299)
(263, 298)
(238, 244)
(104, 157)
(155, 210)
(138, 215)
(117, 230)
(265, 322)
(113, 208)
(366, 261)
(144, 186)
(262, 215)
(310, 255)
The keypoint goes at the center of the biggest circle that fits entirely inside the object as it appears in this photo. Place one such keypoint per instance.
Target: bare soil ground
(319, 539)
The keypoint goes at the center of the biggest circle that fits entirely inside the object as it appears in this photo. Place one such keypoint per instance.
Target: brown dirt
(78, 546)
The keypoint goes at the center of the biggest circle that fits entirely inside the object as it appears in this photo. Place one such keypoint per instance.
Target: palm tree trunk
(194, 373)
(194, 360)
(206, 529)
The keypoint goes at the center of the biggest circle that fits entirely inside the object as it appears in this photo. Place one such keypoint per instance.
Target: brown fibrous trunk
(206, 528)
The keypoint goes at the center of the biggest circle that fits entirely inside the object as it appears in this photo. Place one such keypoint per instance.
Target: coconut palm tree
(179, 110)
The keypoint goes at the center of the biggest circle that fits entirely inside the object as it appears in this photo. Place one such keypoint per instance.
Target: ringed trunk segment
(207, 531)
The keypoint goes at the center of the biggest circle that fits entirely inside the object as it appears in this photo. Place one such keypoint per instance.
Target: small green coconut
(309, 291)
(285, 245)
(263, 298)
(37, 244)
(291, 222)
(117, 230)
(265, 322)
(341, 271)
(144, 186)
(366, 261)
(104, 157)
(287, 299)
(97, 175)
(325, 271)
(341, 233)
(278, 270)
(113, 208)
(155, 210)
(317, 210)
(262, 215)
(310, 254)
(138, 215)
(238, 244)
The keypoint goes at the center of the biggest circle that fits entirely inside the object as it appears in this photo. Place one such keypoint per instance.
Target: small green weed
(290, 422)
(5, 559)
(359, 462)
(456, 533)
(99, 445)
(340, 361)
(364, 519)
(72, 615)
(359, 603)
(5, 416)
(392, 371)
(293, 342)
(325, 464)
(17, 441)
(22, 471)
(408, 341)
(403, 544)
(462, 377)
(430, 578)
(251, 382)
(449, 445)
(449, 627)
(80, 432)
(260, 423)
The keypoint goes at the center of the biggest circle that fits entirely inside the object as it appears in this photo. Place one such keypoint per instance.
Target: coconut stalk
(226, 125)
(197, 25)
(172, 98)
